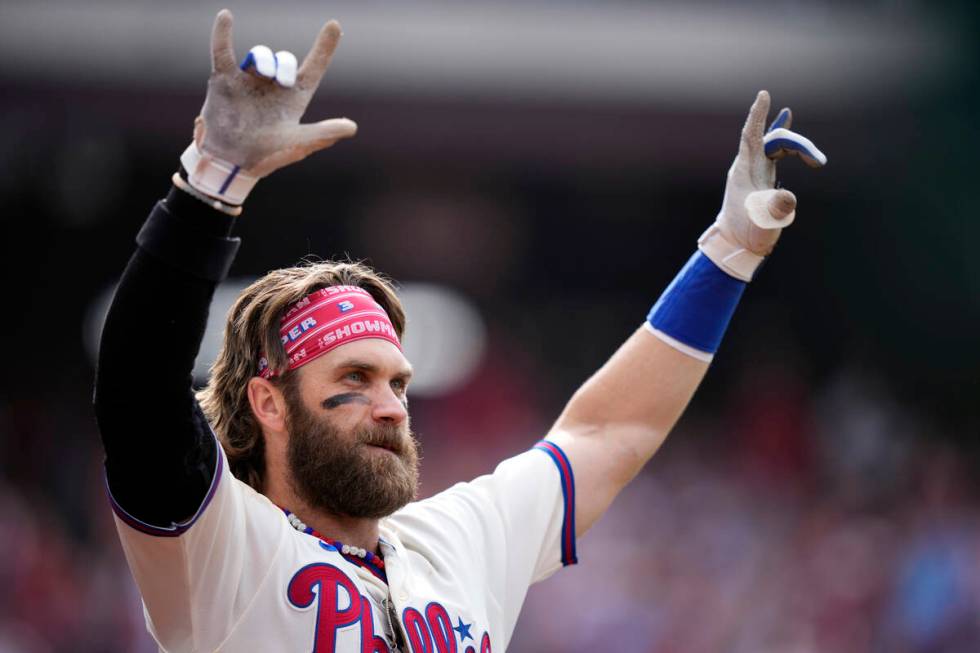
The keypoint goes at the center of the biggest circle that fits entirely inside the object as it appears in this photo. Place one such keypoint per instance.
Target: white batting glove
(249, 125)
(754, 212)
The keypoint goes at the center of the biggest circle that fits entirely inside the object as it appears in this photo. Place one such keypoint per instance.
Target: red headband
(326, 319)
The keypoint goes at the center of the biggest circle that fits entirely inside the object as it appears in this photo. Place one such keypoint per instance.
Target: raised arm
(619, 418)
(160, 453)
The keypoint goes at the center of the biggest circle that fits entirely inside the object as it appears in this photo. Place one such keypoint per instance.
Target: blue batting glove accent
(697, 305)
(779, 142)
(262, 60)
(781, 120)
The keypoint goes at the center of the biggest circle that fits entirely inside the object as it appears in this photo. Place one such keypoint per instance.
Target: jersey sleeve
(513, 527)
(197, 577)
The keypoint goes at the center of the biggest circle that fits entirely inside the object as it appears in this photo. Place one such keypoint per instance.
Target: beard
(342, 473)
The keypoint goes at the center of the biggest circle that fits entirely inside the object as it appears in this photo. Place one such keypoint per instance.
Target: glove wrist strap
(215, 177)
(217, 205)
(731, 258)
(695, 309)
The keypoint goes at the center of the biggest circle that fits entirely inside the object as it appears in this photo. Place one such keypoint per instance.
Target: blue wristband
(697, 305)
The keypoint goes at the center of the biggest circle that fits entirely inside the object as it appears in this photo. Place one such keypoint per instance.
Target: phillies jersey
(238, 577)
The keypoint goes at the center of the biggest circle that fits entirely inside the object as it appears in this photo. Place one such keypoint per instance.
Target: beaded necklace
(357, 555)
(363, 558)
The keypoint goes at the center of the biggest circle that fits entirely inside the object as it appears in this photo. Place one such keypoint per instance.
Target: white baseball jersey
(239, 577)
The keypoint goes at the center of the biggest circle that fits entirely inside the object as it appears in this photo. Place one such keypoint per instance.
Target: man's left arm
(619, 418)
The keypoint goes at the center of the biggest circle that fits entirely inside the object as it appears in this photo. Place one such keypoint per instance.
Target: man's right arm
(160, 453)
(192, 535)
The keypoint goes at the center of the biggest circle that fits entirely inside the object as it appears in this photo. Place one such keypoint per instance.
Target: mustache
(387, 436)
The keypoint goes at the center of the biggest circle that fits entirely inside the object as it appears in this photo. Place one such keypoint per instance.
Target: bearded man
(274, 511)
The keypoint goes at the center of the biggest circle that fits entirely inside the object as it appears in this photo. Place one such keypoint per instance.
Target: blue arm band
(697, 305)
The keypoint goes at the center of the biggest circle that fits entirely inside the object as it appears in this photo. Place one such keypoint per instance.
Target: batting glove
(249, 125)
(754, 212)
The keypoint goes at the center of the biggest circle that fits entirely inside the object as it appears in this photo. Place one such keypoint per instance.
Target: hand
(249, 125)
(753, 212)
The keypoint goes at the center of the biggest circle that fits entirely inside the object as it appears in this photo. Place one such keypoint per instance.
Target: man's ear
(268, 404)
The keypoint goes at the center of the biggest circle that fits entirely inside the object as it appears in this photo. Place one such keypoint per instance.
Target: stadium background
(536, 173)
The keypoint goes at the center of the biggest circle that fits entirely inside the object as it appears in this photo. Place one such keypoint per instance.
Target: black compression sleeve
(160, 453)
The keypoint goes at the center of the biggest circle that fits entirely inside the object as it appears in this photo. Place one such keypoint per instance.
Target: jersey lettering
(370, 643)
(443, 634)
(325, 582)
(435, 632)
(418, 631)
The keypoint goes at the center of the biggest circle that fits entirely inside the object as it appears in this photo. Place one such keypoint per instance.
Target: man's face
(350, 450)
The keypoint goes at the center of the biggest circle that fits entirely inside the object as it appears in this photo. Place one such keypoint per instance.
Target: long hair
(251, 330)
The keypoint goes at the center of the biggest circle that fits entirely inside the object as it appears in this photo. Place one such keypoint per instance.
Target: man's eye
(398, 385)
(357, 377)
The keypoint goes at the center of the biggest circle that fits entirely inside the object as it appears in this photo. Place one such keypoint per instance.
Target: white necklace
(346, 549)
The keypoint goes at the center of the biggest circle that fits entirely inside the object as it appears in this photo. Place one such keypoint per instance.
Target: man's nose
(389, 407)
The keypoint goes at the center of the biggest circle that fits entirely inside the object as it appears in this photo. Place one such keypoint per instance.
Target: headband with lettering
(326, 319)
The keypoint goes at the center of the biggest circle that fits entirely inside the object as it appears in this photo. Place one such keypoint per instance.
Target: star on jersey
(463, 630)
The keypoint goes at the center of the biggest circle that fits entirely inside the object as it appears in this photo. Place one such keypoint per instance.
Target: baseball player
(274, 510)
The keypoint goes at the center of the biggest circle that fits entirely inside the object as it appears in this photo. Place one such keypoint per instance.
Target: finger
(222, 51)
(261, 61)
(771, 209)
(325, 133)
(755, 124)
(199, 129)
(782, 204)
(309, 139)
(784, 120)
(318, 59)
(285, 68)
(781, 142)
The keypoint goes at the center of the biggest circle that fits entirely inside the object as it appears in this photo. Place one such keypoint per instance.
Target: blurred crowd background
(534, 174)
